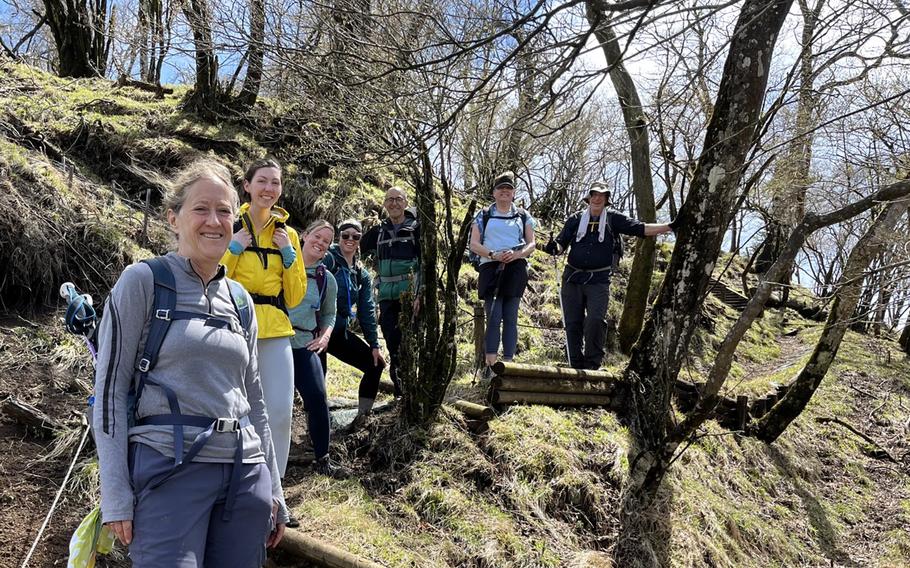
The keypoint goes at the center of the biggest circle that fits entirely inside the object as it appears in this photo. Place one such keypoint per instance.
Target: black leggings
(309, 378)
(350, 348)
(389, 314)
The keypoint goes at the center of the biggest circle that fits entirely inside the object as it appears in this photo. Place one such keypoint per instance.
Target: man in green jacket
(395, 244)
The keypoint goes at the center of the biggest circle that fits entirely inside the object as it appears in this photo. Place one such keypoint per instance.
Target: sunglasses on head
(350, 236)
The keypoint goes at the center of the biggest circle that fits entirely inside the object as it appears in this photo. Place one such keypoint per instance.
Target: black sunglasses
(350, 236)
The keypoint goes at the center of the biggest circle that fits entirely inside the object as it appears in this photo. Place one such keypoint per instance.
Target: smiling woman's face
(316, 242)
(205, 221)
(265, 187)
(349, 240)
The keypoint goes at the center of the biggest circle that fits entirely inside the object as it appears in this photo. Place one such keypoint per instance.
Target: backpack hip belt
(393, 240)
(390, 279)
(592, 270)
(590, 273)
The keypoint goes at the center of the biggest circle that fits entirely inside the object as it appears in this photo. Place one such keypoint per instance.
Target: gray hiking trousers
(179, 524)
(584, 308)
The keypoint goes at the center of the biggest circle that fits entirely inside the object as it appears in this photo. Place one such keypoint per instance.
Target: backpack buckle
(163, 315)
(227, 425)
(144, 365)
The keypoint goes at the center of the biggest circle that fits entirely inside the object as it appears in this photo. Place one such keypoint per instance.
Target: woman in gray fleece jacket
(222, 506)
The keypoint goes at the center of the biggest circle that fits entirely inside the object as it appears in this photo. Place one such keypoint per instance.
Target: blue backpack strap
(163, 308)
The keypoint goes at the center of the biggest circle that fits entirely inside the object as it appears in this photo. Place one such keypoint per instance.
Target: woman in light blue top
(503, 237)
(313, 320)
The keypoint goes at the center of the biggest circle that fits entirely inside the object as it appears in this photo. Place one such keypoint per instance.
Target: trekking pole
(562, 312)
(66, 478)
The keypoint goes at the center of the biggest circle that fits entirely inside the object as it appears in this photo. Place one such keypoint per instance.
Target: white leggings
(276, 370)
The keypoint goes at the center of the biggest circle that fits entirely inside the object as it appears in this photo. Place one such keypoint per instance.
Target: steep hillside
(539, 488)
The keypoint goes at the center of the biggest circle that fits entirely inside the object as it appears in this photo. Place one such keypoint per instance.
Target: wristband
(236, 248)
(288, 255)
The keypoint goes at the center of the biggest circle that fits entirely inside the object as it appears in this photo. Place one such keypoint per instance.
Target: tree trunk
(905, 338)
(247, 97)
(205, 98)
(773, 424)
(156, 41)
(791, 177)
(636, 300)
(80, 32)
(664, 340)
(428, 354)
(142, 31)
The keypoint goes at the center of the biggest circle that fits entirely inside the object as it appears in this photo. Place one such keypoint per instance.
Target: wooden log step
(603, 386)
(475, 411)
(548, 398)
(321, 553)
(503, 368)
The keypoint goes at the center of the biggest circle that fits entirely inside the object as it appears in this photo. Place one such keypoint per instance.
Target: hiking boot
(486, 377)
(292, 523)
(325, 466)
(356, 423)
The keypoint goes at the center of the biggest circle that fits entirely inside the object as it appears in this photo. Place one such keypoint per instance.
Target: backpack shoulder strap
(523, 213)
(164, 304)
(241, 305)
(320, 282)
(320, 287)
(484, 219)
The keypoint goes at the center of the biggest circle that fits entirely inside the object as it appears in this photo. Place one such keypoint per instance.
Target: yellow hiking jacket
(260, 269)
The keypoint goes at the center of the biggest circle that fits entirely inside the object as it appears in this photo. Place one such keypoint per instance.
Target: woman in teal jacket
(355, 303)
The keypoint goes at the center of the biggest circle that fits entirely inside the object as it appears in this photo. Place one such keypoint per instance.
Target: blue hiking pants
(502, 312)
(180, 523)
(310, 382)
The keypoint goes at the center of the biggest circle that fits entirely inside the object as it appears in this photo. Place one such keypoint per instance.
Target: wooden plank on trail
(547, 398)
(321, 553)
(503, 368)
(604, 386)
(28, 415)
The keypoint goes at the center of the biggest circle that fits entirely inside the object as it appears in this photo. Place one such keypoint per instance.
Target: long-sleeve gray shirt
(213, 372)
(303, 315)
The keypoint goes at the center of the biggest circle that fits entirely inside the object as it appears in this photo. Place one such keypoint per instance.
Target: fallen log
(547, 398)
(503, 368)
(125, 81)
(475, 411)
(598, 385)
(28, 415)
(321, 553)
(878, 451)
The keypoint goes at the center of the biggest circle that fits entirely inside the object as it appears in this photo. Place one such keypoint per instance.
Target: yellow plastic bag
(90, 538)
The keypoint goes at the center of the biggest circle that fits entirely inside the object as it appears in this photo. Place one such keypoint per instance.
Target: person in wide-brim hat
(591, 238)
(598, 187)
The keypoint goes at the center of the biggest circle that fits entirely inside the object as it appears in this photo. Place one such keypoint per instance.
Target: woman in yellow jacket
(265, 257)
